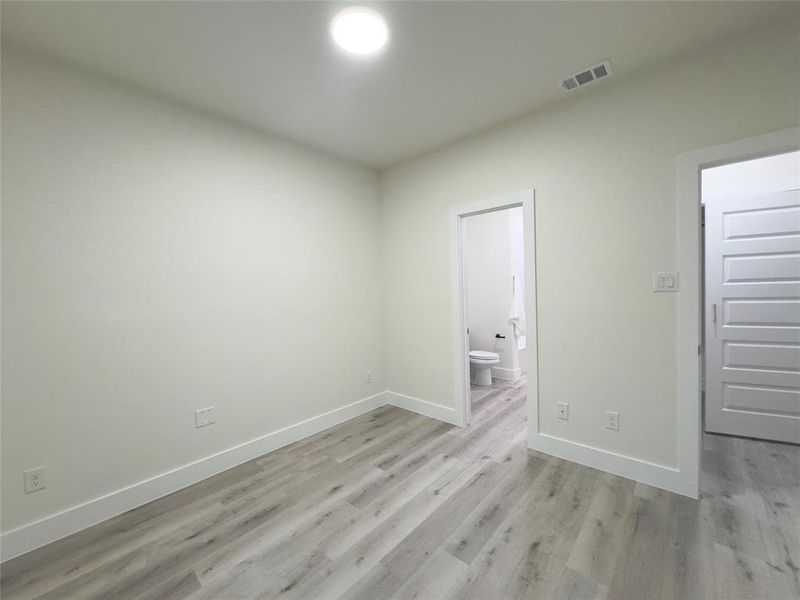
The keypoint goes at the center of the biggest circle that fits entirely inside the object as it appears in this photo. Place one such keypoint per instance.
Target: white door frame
(525, 199)
(690, 328)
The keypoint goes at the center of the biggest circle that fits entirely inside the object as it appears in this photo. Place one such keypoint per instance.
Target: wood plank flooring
(396, 505)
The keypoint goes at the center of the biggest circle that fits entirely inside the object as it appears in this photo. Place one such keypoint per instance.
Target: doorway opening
(494, 302)
(494, 278)
(751, 318)
(692, 313)
(748, 299)
(751, 277)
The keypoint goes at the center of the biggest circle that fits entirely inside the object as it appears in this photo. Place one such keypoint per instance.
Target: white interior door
(752, 316)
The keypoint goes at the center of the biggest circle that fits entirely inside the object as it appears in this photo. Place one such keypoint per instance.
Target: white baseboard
(54, 527)
(422, 407)
(507, 374)
(660, 476)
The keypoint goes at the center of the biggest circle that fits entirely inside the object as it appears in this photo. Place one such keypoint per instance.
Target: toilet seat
(483, 356)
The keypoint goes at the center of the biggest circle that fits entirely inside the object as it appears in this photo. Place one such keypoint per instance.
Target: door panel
(760, 312)
(761, 399)
(758, 356)
(752, 336)
(766, 222)
(758, 268)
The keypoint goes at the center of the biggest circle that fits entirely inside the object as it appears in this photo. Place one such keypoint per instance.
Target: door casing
(689, 337)
(525, 199)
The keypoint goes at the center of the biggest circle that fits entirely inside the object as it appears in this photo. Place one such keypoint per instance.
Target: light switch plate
(665, 282)
(563, 411)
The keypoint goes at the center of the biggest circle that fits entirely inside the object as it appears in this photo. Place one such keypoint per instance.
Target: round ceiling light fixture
(359, 30)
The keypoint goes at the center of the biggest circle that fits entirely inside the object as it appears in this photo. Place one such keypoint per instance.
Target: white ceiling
(451, 68)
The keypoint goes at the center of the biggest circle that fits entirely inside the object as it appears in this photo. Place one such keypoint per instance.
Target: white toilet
(480, 366)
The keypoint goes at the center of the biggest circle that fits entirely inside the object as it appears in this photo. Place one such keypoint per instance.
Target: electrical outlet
(612, 420)
(35, 479)
(563, 411)
(368, 377)
(204, 416)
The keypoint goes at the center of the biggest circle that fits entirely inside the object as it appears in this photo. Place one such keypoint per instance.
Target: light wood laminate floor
(396, 505)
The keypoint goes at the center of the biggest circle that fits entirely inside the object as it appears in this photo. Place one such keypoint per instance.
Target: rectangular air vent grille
(569, 83)
(587, 76)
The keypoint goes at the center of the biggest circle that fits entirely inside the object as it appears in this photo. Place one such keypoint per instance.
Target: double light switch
(665, 282)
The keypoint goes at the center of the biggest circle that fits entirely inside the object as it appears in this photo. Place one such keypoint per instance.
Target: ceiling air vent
(587, 76)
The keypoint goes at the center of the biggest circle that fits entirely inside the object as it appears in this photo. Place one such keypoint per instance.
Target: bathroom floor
(480, 395)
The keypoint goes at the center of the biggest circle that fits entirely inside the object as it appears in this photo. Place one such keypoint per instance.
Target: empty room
(400, 300)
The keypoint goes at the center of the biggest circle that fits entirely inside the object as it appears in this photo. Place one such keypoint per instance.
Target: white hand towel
(516, 317)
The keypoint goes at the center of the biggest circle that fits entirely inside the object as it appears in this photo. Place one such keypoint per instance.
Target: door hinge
(700, 350)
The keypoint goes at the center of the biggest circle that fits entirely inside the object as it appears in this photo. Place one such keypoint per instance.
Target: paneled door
(752, 316)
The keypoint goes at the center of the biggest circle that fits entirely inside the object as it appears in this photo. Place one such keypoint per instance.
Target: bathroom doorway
(495, 308)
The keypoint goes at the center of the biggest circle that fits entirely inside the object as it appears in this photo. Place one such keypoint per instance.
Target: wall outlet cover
(368, 377)
(563, 411)
(204, 416)
(612, 420)
(35, 479)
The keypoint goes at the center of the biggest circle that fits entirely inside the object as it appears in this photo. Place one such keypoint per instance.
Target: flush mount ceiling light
(359, 30)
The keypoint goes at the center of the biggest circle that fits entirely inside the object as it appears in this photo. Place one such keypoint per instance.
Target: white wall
(490, 259)
(603, 164)
(157, 260)
(759, 176)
